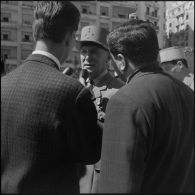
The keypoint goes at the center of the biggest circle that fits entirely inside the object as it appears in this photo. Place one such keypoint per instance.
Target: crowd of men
(133, 133)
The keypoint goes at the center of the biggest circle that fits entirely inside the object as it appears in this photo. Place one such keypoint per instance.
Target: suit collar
(144, 70)
(49, 55)
(43, 59)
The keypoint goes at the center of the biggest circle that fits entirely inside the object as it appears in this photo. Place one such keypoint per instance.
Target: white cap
(171, 53)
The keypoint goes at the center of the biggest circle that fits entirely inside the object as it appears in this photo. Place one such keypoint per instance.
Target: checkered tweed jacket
(48, 125)
(148, 136)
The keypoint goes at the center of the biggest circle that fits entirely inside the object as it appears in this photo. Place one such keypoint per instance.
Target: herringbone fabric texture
(48, 124)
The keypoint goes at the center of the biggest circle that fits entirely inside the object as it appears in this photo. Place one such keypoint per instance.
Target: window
(27, 19)
(104, 25)
(155, 13)
(115, 24)
(82, 24)
(25, 53)
(5, 53)
(5, 19)
(187, 17)
(177, 27)
(10, 2)
(121, 15)
(27, 22)
(170, 24)
(104, 11)
(26, 38)
(155, 23)
(133, 16)
(121, 12)
(147, 10)
(5, 36)
(5, 56)
(84, 9)
(27, 3)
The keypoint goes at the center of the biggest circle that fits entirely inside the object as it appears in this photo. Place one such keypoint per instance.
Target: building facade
(181, 18)
(17, 17)
(180, 28)
(16, 32)
(155, 12)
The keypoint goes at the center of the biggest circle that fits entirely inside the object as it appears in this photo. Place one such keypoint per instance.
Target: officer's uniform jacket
(104, 87)
(103, 90)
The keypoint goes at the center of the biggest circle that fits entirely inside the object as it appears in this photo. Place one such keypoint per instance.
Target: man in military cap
(94, 57)
(174, 62)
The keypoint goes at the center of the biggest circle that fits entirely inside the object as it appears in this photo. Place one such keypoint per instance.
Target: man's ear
(122, 62)
(179, 66)
(69, 36)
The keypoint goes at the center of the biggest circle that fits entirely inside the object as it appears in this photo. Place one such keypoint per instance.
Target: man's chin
(89, 68)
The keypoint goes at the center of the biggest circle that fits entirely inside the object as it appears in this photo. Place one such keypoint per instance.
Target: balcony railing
(88, 12)
(156, 28)
(26, 40)
(25, 22)
(9, 2)
(9, 22)
(152, 16)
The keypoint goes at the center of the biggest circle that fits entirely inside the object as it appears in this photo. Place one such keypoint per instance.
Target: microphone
(84, 74)
(68, 71)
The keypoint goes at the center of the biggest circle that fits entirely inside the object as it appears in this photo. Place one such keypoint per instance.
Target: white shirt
(49, 55)
(189, 81)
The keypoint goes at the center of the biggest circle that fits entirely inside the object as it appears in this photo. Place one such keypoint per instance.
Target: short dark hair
(53, 19)
(135, 39)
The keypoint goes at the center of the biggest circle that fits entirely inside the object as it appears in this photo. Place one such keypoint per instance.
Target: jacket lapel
(42, 59)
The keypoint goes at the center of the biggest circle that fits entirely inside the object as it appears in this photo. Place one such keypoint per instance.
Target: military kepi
(93, 34)
(171, 53)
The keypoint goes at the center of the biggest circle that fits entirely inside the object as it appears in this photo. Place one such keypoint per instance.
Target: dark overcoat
(148, 136)
(48, 125)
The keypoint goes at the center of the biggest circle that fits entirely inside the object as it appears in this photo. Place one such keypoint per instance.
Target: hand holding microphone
(85, 79)
(68, 71)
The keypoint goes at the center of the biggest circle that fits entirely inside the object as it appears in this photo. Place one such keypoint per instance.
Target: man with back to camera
(94, 57)
(45, 126)
(173, 61)
(148, 135)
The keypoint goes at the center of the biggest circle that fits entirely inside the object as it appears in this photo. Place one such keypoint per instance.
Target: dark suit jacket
(148, 136)
(48, 124)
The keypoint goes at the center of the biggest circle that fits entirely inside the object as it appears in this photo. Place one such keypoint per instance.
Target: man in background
(148, 135)
(95, 57)
(173, 61)
(45, 126)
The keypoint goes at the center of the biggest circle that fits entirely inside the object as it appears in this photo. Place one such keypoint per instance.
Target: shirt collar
(97, 79)
(49, 55)
(147, 68)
